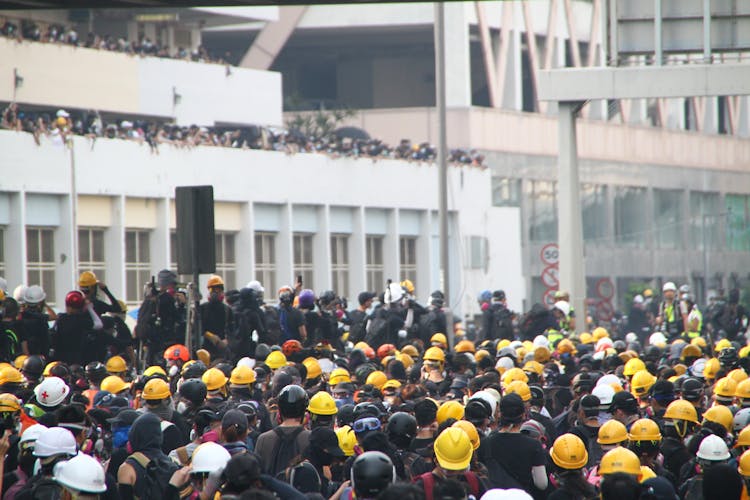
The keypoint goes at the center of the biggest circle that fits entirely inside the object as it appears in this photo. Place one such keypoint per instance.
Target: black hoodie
(145, 436)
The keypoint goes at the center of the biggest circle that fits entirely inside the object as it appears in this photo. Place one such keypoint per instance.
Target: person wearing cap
(624, 408)
(216, 318)
(588, 426)
(161, 316)
(660, 395)
(234, 428)
(497, 319)
(359, 318)
(120, 426)
(322, 451)
(511, 457)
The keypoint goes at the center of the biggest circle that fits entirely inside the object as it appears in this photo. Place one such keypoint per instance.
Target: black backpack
(285, 450)
(155, 475)
(729, 320)
(41, 488)
(502, 323)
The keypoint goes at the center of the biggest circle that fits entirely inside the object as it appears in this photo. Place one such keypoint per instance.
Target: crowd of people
(309, 398)
(58, 126)
(30, 30)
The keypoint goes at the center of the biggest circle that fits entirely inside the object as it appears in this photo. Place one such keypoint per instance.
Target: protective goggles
(366, 424)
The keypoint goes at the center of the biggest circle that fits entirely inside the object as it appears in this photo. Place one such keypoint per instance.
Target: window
(137, 263)
(738, 222)
(340, 264)
(226, 262)
(303, 258)
(668, 218)
(594, 212)
(408, 258)
(704, 204)
(631, 219)
(265, 262)
(506, 192)
(543, 218)
(476, 254)
(374, 262)
(91, 251)
(40, 260)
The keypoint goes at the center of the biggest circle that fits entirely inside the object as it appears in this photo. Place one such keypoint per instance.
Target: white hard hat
(741, 420)
(631, 337)
(19, 292)
(210, 457)
(32, 433)
(638, 299)
(609, 379)
(603, 343)
(713, 448)
(509, 494)
(669, 287)
(255, 285)
(396, 292)
(486, 397)
(4, 285)
(61, 113)
(515, 344)
(249, 362)
(55, 441)
(657, 338)
(81, 473)
(696, 369)
(563, 306)
(505, 362)
(605, 393)
(51, 391)
(34, 295)
(326, 365)
(541, 341)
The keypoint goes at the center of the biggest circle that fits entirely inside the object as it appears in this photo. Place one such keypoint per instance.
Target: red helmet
(75, 300)
(386, 350)
(176, 352)
(369, 352)
(290, 347)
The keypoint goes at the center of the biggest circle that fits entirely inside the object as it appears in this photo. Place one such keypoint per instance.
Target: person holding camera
(161, 317)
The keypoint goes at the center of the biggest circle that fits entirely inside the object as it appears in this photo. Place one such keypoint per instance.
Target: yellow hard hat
(569, 452)
(680, 369)
(711, 369)
(322, 403)
(465, 346)
(377, 379)
(154, 370)
(361, 345)
(439, 338)
(680, 409)
(10, 375)
(18, 362)
(242, 375)
(86, 279)
(275, 359)
(410, 350)
(744, 467)
(347, 440)
(599, 333)
(155, 389)
(620, 460)
(738, 375)
(339, 375)
(586, 338)
(214, 379)
(313, 368)
(514, 374)
(502, 344)
(434, 354)
(744, 351)
(9, 403)
(743, 389)
(408, 286)
(48, 369)
(116, 364)
(691, 351)
(453, 449)
(481, 354)
(391, 384)
(450, 409)
(646, 473)
(565, 346)
(542, 354)
(722, 344)
(114, 384)
(743, 438)
(405, 359)
(633, 366)
(699, 342)
(721, 415)
(725, 387)
(641, 383)
(470, 431)
(644, 429)
(214, 280)
(533, 367)
(203, 356)
(519, 387)
(612, 432)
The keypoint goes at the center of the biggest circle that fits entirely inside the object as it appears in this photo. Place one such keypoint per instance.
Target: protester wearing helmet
(569, 457)
(35, 318)
(322, 409)
(216, 318)
(291, 319)
(90, 286)
(712, 452)
(52, 447)
(680, 420)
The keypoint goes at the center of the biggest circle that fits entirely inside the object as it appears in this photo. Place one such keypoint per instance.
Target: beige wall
(227, 216)
(94, 211)
(140, 213)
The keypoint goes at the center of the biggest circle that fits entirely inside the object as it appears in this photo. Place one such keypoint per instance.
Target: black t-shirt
(35, 327)
(516, 454)
(70, 337)
(216, 317)
(290, 319)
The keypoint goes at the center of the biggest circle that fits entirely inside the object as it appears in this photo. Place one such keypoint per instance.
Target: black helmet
(194, 390)
(249, 408)
(34, 366)
(262, 351)
(225, 368)
(194, 370)
(401, 429)
(292, 401)
(96, 371)
(327, 297)
(366, 409)
(372, 472)
(692, 389)
(364, 371)
(345, 415)
(728, 357)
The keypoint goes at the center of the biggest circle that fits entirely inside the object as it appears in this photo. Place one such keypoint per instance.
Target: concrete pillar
(391, 261)
(357, 253)
(458, 77)
(114, 248)
(246, 246)
(513, 91)
(711, 116)
(15, 254)
(424, 260)
(284, 248)
(160, 244)
(570, 230)
(64, 238)
(322, 250)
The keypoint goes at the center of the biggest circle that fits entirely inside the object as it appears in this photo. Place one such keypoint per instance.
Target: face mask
(182, 407)
(193, 434)
(216, 297)
(173, 370)
(120, 437)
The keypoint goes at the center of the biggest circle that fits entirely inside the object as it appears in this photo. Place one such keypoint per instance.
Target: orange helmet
(177, 352)
(369, 352)
(386, 350)
(290, 347)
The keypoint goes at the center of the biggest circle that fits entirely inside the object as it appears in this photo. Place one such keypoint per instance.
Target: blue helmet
(484, 296)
